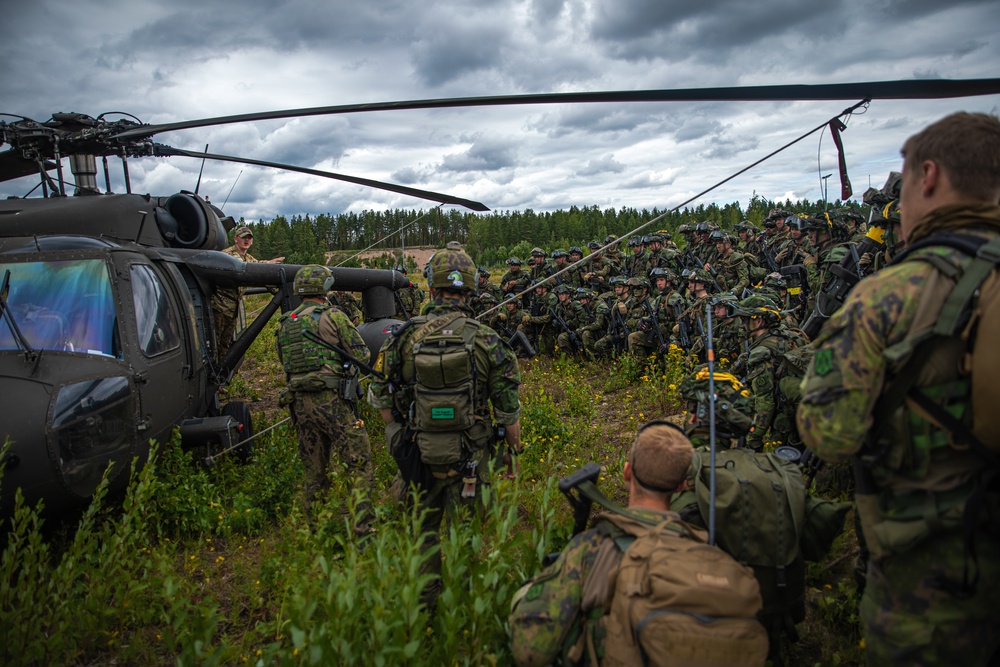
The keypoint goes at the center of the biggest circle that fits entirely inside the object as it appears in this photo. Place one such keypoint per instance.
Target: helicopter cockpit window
(154, 319)
(61, 305)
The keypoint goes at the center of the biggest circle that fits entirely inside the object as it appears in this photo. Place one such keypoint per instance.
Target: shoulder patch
(823, 362)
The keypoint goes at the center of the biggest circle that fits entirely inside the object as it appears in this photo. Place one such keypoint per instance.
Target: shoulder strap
(986, 256)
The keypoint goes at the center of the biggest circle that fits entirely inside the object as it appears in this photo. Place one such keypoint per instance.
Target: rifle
(832, 295)
(654, 320)
(619, 330)
(574, 337)
(769, 259)
(515, 338)
(683, 323)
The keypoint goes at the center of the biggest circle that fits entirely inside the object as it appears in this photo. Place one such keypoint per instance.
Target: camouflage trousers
(910, 618)
(444, 500)
(225, 325)
(330, 435)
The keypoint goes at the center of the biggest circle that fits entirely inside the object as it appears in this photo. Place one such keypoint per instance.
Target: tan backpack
(671, 598)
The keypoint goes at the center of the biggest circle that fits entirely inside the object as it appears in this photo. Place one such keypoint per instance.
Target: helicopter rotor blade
(163, 150)
(897, 90)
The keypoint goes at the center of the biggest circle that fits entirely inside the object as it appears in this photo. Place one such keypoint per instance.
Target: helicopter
(107, 340)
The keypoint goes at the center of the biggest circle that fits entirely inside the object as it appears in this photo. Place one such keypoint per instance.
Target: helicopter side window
(154, 319)
(61, 305)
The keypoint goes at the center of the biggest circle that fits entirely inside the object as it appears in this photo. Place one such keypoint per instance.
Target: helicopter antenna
(223, 207)
(197, 185)
(389, 236)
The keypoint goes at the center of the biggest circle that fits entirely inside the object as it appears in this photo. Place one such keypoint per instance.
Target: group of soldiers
(885, 384)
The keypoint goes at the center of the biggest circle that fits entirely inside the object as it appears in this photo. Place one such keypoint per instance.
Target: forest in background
(491, 237)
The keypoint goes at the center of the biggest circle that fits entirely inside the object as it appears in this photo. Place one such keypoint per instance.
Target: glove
(588, 275)
(809, 260)
(865, 260)
(526, 319)
(621, 308)
(502, 317)
(781, 255)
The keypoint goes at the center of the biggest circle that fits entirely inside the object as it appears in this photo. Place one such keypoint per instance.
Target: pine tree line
(489, 237)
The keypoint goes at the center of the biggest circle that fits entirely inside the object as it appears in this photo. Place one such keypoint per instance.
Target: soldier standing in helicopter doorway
(323, 390)
(226, 302)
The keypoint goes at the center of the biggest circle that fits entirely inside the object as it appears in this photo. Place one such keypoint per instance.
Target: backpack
(445, 385)
(669, 598)
(971, 311)
(760, 514)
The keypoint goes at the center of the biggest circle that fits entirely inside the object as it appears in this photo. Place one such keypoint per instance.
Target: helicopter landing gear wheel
(239, 411)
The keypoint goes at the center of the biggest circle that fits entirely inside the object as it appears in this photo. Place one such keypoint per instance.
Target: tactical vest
(299, 354)
(444, 393)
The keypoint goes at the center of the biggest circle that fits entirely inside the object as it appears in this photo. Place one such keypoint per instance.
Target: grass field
(218, 565)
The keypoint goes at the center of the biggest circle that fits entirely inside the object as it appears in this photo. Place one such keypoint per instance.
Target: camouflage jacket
(229, 298)
(849, 372)
(515, 282)
(334, 328)
(547, 618)
(502, 374)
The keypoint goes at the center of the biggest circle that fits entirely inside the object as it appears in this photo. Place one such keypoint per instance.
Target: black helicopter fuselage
(108, 337)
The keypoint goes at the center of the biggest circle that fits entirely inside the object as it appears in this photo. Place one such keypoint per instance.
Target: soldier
(733, 408)
(408, 299)
(323, 389)
(733, 273)
(768, 344)
(515, 280)
(575, 275)
(593, 321)
(560, 261)
(568, 310)
(485, 288)
(226, 302)
(445, 352)
(635, 264)
(348, 304)
(540, 268)
(601, 269)
(615, 339)
(537, 324)
(875, 393)
(559, 617)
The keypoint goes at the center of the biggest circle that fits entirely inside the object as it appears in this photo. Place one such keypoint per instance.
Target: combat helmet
(759, 305)
(401, 268)
(636, 281)
(538, 252)
(576, 249)
(733, 406)
(313, 280)
(483, 271)
(559, 252)
(513, 261)
(452, 268)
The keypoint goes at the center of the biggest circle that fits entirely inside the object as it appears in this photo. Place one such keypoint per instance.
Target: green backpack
(760, 516)
(445, 376)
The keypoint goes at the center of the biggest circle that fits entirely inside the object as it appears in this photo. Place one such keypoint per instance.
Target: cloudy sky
(166, 61)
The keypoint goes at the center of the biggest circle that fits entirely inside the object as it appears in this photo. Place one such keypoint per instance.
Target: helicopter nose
(64, 438)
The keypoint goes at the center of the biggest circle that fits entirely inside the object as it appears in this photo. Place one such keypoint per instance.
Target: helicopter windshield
(61, 305)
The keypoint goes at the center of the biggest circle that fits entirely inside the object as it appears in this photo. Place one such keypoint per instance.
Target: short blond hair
(660, 457)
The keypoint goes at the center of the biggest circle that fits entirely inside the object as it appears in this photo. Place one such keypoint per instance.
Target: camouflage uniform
(348, 304)
(540, 328)
(496, 379)
(226, 306)
(410, 298)
(325, 418)
(515, 281)
(915, 607)
(547, 620)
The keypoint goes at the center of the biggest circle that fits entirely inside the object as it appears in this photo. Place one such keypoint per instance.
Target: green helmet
(759, 305)
(451, 268)
(313, 280)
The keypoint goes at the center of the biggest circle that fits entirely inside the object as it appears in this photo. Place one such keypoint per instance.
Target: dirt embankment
(420, 254)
